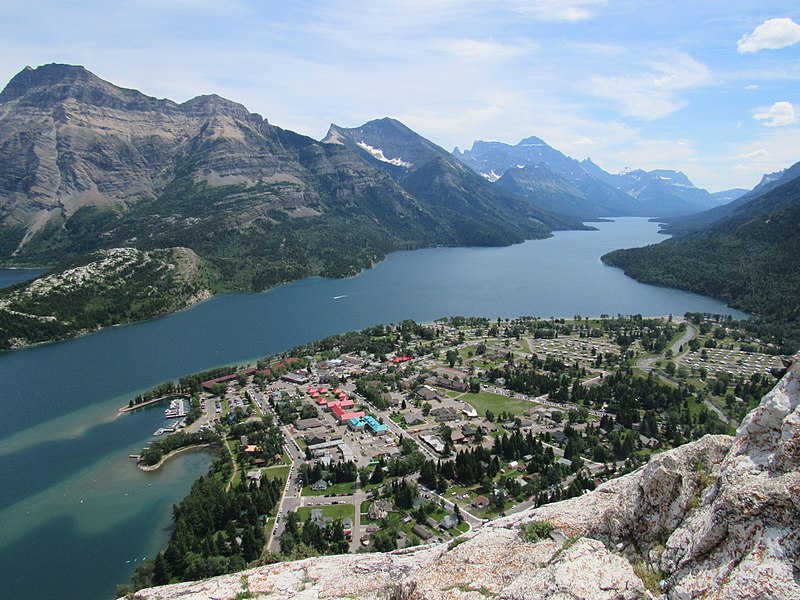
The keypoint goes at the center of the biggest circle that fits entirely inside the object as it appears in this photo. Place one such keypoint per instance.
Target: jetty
(129, 408)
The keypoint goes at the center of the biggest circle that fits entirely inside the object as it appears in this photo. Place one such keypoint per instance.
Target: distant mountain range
(587, 190)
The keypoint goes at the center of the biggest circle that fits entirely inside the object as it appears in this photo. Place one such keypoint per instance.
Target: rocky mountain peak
(48, 86)
(716, 518)
(45, 76)
(211, 105)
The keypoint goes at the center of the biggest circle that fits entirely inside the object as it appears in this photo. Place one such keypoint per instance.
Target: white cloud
(557, 10)
(757, 153)
(779, 114)
(655, 93)
(486, 50)
(772, 34)
(751, 87)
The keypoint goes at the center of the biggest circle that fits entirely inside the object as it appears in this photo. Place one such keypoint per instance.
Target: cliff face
(717, 518)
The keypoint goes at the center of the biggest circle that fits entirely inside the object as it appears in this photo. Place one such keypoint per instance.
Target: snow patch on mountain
(378, 153)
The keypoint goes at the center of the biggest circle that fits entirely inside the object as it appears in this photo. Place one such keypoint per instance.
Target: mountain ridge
(631, 193)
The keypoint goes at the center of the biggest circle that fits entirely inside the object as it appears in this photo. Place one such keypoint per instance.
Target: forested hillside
(748, 259)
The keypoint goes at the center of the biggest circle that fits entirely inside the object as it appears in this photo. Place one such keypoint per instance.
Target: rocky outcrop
(717, 518)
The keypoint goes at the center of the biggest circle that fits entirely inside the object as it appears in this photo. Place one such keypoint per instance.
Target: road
(647, 363)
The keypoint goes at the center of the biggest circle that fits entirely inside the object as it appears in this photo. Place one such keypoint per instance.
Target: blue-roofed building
(357, 423)
(375, 426)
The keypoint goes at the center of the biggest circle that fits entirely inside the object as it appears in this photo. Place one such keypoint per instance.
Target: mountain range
(543, 175)
(87, 167)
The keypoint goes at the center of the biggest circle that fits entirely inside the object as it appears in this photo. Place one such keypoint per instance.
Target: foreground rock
(713, 519)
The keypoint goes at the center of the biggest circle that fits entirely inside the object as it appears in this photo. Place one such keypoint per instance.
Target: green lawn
(497, 403)
(337, 488)
(279, 472)
(336, 511)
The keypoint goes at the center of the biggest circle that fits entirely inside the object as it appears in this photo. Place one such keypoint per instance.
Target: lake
(76, 516)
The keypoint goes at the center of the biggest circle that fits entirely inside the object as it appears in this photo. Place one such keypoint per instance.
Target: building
(450, 384)
(449, 522)
(343, 416)
(434, 441)
(412, 419)
(299, 377)
(303, 424)
(470, 412)
(480, 502)
(423, 532)
(427, 393)
(445, 413)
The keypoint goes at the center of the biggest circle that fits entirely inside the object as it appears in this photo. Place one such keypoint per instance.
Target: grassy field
(336, 489)
(497, 403)
(278, 472)
(336, 511)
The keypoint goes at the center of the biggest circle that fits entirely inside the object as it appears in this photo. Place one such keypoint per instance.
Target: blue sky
(708, 87)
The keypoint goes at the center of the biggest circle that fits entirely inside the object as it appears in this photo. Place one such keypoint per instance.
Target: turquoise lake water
(76, 516)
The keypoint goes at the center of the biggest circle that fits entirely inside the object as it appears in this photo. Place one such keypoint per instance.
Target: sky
(707, 87)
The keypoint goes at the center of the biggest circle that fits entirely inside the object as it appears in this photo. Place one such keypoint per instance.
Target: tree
(426, 408)
(161, 572)
(452, 357)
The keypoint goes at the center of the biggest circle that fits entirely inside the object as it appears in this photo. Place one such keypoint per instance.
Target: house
(480, 502)
(379, 509)
(424, 533)
(468, 430)
(449, 522)
(316, 439)
(457, 437)
(564, 462)
(411, 418)
(319, 486)
(648, 442)
(255, 477)
(431, 522)
(408, 383)
(393, 399)
(427, 393)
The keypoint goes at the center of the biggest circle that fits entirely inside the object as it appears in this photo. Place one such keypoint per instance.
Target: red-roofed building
(343, 416)
(346, 403)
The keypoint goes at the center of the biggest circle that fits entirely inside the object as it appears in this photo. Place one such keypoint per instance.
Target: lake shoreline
(169, 455)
